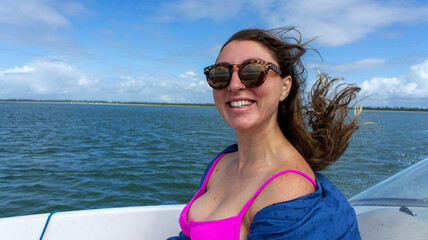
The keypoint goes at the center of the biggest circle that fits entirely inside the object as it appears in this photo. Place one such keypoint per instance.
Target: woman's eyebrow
(224, 62)
(246, 60)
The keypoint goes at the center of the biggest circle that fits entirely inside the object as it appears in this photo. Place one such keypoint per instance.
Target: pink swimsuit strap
(228, 228)
(245, 208)
(207, 177)
(248, 204)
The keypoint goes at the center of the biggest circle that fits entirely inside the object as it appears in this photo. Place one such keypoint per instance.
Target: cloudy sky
(155, 51)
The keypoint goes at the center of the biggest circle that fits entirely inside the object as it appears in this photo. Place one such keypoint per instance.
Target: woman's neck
(261, 148)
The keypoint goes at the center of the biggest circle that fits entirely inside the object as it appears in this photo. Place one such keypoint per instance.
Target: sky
(155, 51)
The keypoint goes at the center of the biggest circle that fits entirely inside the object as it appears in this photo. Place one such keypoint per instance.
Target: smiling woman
(266, 186)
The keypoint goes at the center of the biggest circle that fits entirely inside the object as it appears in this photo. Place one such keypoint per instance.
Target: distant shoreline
(392, 109)
(112, 103)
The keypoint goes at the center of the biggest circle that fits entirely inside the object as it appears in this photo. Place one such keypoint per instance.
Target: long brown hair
(319, 126)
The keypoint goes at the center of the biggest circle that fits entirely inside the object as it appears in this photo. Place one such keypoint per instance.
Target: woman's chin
(241, 125)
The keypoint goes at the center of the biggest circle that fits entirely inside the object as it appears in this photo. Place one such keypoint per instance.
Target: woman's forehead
(237, 52)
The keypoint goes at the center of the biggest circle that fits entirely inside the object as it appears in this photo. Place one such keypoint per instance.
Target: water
(81, 156)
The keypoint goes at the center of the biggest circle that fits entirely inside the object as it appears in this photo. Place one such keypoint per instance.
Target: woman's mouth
(239, 104)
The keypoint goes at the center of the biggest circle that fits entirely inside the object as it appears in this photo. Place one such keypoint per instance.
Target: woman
(266, 186)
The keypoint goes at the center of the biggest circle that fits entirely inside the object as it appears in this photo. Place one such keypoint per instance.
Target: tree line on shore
(385, 108)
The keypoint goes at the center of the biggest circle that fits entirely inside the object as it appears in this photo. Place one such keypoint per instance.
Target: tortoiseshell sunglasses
(252, 73)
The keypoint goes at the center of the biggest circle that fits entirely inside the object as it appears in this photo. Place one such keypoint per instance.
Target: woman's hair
(320, 128)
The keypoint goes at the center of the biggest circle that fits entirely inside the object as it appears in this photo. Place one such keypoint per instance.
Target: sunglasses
(252, 73)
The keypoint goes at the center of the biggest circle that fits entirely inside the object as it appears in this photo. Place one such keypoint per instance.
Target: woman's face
(246, 108)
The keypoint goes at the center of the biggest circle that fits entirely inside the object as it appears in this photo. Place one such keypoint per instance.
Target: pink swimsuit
(228, 228)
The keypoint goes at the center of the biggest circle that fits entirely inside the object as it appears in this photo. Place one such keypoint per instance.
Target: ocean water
(87, 156)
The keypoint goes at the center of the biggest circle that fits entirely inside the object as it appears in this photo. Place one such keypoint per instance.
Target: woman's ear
(286, 86)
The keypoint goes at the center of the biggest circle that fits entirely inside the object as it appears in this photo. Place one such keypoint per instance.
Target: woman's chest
(221, 201)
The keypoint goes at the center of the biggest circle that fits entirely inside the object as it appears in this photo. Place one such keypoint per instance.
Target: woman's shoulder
(326, 193)
(284, 186)
(289, 179)
(323, 213)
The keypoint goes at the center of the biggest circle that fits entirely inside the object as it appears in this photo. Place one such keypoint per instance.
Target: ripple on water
(70, 157)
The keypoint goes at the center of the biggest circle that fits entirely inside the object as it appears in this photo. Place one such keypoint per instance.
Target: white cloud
(131, 85)
(187, 87)
(164, 98)
(338, 22)
(413, 85)
(23, 69)
(195, 82)
(39, 12)
(382, 87)
(187, 74)
(335, 22)
(40, 23)
(45, 78)
(31, 12)
(350, 66)
(198, 87)
(419, 74)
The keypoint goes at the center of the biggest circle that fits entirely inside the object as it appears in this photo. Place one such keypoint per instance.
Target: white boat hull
(148, 222)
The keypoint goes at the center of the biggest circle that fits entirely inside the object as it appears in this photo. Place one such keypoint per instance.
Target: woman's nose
(235, 82)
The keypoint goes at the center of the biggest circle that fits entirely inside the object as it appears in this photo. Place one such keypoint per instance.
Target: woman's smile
(240, 104)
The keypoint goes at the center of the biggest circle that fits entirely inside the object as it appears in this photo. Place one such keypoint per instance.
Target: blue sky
(155, 51)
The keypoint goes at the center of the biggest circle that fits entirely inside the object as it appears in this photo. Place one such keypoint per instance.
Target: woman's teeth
(239, 104)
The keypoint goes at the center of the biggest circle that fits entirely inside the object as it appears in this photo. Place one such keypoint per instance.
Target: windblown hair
(319, 126)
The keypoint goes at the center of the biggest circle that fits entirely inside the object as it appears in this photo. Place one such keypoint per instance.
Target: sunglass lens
(253, 74)
(218, 77)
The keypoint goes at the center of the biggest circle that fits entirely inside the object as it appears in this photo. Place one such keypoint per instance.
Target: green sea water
(88, 156)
